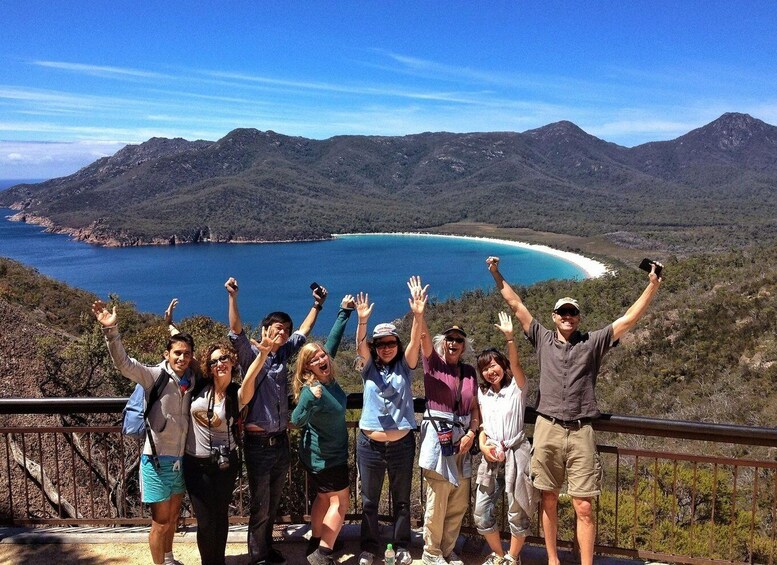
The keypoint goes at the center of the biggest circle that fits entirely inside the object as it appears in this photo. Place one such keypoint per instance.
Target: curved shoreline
(592, 268)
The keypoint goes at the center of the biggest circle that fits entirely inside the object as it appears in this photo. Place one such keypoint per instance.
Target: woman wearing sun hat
(386, 443)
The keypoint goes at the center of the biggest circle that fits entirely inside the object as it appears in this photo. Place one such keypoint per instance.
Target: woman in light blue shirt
(386, 443)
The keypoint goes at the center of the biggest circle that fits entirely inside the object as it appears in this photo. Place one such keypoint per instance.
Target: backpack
(136, 411)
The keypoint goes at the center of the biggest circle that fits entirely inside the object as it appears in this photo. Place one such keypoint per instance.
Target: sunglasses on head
(222, 359)
(568, 312)
(454, 339)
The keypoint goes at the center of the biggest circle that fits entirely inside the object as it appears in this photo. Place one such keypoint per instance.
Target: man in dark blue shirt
(266, 443)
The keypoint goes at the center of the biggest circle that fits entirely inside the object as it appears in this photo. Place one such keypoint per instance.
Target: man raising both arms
(564, 440)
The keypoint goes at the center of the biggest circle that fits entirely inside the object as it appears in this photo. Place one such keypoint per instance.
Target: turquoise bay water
(277, 276)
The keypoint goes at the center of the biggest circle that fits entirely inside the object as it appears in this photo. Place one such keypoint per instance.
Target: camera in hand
(219, 456)
(647, 264)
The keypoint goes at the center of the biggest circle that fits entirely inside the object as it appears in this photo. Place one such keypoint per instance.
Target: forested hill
(711, 189)
(706, 350)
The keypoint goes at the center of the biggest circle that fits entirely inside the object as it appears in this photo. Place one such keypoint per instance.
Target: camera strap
(211, 407)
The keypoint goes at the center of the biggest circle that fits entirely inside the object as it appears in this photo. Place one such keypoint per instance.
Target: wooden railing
(708, 496)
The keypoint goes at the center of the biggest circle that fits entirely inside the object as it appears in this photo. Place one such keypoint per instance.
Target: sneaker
(318, 558)
(429, 559)
(509, 559)
(494, 559)
(403, 557)
(366, 558)
(275, 557)
(454, 559)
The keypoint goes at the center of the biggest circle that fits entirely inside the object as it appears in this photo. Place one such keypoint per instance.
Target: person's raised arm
(319, 296)
(363, 311)
(511, 297)
(419, 331)
(247, 388)
(505, 326)
(126, 365)
(638, 309)
(235, 323)
(169, 317)
(347, 305)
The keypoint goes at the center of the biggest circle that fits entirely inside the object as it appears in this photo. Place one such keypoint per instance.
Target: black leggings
(210, 492)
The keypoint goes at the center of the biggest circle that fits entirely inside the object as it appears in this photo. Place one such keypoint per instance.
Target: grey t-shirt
(568, 370)
(198, 441)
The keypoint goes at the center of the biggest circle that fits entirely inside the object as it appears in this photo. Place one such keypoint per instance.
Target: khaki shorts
(559, 451)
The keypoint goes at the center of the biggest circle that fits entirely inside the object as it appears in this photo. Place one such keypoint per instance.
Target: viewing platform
(708, 495)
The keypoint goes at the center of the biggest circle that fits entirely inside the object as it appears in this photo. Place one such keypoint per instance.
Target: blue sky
(80, 79)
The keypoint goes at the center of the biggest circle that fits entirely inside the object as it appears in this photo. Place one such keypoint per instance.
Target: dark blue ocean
(277, 276)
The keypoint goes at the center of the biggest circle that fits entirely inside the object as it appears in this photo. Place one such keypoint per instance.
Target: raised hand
(107, 318)
(270, 338)
(348, 302)
(418, 296)
(505, 325)
(231, 286)
(316, 390)
(654, 278)
(169, 311)
(363, 306)
(493, 263)
(319, 295)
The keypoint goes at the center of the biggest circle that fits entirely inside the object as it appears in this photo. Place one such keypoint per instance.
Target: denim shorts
(158, 485)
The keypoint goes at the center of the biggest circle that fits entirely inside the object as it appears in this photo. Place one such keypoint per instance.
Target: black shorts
(332, 479)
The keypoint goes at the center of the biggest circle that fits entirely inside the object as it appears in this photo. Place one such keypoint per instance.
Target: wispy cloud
(101, 71)
(20, 160)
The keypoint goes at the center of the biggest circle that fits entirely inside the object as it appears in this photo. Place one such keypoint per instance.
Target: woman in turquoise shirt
(323, 449)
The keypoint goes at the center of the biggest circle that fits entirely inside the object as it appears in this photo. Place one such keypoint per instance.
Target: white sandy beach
(591, 267)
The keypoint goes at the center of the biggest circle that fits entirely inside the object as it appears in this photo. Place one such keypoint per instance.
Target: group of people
(192, 437)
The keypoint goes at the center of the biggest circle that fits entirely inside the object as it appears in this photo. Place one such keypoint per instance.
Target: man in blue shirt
(266, 443)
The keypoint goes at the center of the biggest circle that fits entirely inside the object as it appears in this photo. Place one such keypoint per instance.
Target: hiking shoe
(454, 559)
(494, 559)
(429, 559)
(403, 557)
(509, 559)
(318, 558)
(366, 558)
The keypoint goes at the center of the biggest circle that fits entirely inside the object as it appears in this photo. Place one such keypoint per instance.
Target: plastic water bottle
(389, 558)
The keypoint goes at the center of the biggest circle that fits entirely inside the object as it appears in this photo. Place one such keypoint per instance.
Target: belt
(261, 438)
(567, 424)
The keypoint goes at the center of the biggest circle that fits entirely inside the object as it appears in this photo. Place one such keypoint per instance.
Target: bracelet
(317, 306)
(362, 323)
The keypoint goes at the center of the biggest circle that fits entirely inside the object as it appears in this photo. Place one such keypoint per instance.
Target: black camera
(219, 456)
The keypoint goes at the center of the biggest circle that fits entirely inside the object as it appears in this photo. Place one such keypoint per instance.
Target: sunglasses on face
(568, 312)
(222, 359)
(385, 345)
(455, 339)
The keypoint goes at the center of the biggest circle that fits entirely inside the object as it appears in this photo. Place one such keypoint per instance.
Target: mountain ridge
(709, 189)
